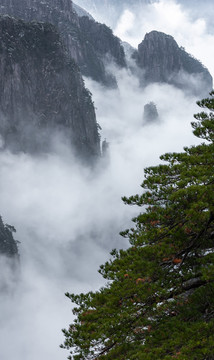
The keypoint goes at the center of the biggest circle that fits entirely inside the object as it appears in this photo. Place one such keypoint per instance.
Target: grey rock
(77, 34)
(105, 148)
(42, 93)
(150, 114)
(99, 38)
(163, 61)
(128, 49)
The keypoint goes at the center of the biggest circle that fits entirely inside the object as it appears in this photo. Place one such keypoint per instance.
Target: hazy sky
(189, 25)
(68, 217)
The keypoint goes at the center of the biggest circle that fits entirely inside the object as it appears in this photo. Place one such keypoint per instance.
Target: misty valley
(92, 93)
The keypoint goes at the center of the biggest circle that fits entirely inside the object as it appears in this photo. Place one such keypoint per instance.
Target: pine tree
(158, 302)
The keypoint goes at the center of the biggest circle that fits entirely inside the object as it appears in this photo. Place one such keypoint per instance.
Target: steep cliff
(81, 45)
(162, 60)
(98, 38)
(42, 93)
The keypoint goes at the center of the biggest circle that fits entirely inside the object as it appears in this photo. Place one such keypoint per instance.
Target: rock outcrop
(150, 114)
(8, 246)
(42, 93)
(105, 148)
(163, 61)
(77, 34)
(9, 259)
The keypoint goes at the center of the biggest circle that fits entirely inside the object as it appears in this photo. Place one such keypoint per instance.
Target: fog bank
(68, 216)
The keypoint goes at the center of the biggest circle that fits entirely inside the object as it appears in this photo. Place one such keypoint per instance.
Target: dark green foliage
(159, 299)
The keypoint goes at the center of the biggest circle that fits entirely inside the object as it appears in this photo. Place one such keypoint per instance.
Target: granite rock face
(163, 61)
(42, 94)
(73, 30)
(98, 38)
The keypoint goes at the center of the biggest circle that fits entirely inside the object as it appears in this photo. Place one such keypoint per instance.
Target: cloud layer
(68, 216)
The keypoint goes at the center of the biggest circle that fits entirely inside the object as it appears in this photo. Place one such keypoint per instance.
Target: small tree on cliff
(159, 299)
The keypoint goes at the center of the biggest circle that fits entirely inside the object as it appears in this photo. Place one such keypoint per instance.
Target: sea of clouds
(68, 216)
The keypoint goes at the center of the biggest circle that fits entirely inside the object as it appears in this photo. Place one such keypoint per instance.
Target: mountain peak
(163, 61)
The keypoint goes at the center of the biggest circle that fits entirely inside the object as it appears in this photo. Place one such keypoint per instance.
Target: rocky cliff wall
(95, 37)
(162, 60)
(82, 48)
(42, 93)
